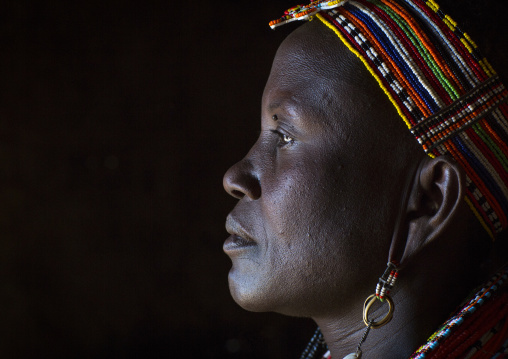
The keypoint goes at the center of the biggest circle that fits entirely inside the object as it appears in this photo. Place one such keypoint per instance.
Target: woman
(337, 186)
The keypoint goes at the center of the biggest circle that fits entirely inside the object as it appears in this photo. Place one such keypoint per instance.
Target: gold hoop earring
(383, 288)
(386, 319)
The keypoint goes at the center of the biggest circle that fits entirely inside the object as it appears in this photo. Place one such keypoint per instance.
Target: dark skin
(336, 186)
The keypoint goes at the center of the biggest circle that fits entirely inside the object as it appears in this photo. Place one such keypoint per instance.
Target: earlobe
(434, 201)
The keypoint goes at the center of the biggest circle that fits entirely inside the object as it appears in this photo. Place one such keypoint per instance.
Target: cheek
(319, 203)
(295, 200)
(308, 207)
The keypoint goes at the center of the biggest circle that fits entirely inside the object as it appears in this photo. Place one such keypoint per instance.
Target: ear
(433, 203)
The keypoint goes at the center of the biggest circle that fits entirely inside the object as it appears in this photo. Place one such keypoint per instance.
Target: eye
(284, 139)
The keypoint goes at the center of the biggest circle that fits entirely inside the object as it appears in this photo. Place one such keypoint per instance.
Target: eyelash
(284, 139)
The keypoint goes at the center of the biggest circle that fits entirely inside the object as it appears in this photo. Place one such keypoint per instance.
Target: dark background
(117, 122)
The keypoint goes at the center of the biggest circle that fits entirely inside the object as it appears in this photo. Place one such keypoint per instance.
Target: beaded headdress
(446, 92)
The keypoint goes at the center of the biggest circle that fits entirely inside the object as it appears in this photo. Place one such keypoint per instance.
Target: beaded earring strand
(383, 288)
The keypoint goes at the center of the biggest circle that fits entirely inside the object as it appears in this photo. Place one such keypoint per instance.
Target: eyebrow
(284, 104)
(274, 105)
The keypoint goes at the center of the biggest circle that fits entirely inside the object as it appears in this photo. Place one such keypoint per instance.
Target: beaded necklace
(484, 327)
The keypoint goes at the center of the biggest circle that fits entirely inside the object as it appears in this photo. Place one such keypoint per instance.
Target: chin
(249, 295)
(265, 302)
(255, 295)
(247, 299)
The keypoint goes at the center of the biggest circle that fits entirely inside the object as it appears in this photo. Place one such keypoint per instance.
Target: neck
(420, 307)
(396, 339)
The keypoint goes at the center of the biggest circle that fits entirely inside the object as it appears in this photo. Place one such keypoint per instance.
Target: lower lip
(235, 243)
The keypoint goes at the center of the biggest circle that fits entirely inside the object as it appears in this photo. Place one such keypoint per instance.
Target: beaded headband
(446, 92)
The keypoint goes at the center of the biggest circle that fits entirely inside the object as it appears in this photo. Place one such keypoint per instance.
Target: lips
(239, 237)
(235, 242)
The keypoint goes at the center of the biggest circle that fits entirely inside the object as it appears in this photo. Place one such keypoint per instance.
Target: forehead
(312, 50)
(313, 72)
(309, 65)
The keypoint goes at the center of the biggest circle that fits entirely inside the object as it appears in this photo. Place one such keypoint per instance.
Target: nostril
(237, 194)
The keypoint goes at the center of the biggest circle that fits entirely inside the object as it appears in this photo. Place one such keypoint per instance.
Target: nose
(240, 180)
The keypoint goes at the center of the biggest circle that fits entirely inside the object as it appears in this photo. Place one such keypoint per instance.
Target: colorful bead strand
(464, 317)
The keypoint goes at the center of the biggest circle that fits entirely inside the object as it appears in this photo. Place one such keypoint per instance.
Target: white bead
(351, 356)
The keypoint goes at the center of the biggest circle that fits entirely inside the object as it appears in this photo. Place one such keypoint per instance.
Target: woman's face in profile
(317, 196)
